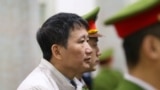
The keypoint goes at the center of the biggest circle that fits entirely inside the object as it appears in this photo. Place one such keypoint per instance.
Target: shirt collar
(53, 69)
(79, 82)
(139, 82)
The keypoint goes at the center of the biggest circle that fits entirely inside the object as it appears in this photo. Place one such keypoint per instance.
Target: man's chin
(91, 69)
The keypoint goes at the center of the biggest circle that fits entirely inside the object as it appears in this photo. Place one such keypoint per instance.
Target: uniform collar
(139, 82)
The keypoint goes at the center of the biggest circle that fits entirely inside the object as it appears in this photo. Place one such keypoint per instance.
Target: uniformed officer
(107, 78)
(138, 25)
(84, 79)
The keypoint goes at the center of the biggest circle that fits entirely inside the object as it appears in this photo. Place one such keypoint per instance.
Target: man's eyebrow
(83, 36)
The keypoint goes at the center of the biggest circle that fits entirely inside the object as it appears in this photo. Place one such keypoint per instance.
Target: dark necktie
(74, 84)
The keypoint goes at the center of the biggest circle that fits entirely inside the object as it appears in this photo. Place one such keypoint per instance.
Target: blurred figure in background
(107, 78)
(139, 26)
(84, 81)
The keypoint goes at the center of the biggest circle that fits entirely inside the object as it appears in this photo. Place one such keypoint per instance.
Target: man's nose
(89, 49)
(98, 52)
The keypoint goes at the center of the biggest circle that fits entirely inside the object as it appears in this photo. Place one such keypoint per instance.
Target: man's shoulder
(37, 80)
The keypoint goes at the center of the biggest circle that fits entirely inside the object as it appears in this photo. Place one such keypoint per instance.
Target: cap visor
(95, 35)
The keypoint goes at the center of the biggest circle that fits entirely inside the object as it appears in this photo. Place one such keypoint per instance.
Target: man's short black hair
(56, 30)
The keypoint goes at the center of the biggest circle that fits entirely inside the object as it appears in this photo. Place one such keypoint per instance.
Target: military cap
(135, 17)
(91, 18)
(106, 56)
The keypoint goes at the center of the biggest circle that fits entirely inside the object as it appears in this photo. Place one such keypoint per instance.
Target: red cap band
(137, 22)
(92, 27)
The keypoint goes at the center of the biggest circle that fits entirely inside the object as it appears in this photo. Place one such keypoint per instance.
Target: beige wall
(19, 53)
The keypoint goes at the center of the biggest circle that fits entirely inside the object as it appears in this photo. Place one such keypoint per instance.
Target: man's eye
(81, 41)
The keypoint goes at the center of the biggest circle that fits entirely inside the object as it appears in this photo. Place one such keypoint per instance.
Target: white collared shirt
(40, 78)
(62, 81)
(139, 82)
(80, 84)
(46, 77)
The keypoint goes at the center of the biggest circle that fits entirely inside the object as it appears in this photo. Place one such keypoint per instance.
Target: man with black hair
(63, 39)
(139, 26)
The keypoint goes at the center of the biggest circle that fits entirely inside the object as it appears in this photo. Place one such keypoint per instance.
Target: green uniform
(127, 85)
(107, 79)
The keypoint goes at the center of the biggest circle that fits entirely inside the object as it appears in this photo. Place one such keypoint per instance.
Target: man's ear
(56, 51)
(151, 47)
